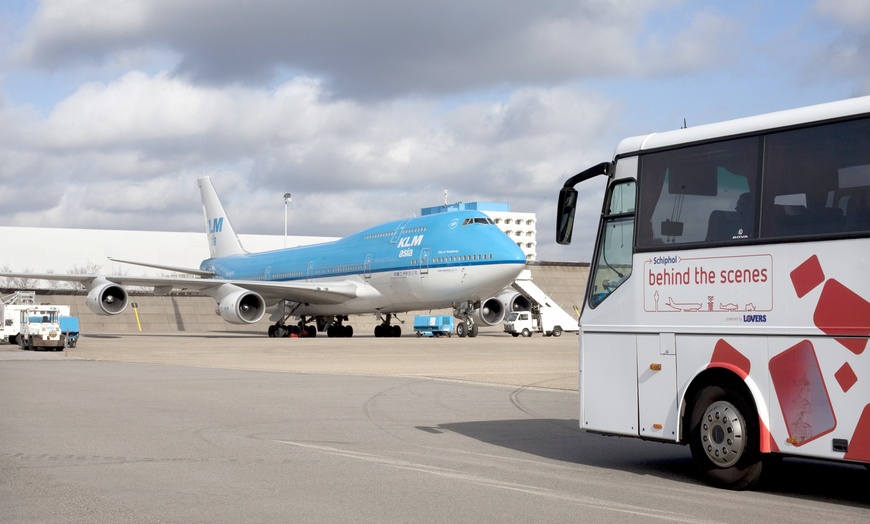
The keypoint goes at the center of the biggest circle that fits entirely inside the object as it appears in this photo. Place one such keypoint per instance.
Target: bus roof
(740, 126)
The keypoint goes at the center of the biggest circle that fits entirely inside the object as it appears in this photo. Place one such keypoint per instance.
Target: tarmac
(183, 329)
(491, 358)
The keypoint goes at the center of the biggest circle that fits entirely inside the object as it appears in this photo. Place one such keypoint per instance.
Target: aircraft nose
(513, 252)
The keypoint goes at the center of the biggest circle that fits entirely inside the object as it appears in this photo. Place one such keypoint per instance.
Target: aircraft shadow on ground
(562, 440)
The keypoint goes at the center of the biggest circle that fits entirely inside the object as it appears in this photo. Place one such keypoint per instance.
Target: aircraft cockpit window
(478, 220)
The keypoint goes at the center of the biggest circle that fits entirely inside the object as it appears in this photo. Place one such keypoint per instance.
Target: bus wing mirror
(568, 200)
(565, 216)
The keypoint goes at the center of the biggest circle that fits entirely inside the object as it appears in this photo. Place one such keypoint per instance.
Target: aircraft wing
(177, 269)
(308, 292)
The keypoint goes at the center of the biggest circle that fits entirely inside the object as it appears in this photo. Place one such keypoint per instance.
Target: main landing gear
(466, 327)
(384, 329)
(281, 330)
(334, 328)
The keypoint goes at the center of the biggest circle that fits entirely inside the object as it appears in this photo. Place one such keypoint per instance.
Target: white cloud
(850, 13)
(844, 56)
(118, 152)
(63, 30)
(709, 40)
(373, 50)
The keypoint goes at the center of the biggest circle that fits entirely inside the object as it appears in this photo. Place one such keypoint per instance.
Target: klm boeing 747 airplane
(454, 259)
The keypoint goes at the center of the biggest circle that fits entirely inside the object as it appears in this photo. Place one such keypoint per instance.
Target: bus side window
(700, 193)
(816, 181)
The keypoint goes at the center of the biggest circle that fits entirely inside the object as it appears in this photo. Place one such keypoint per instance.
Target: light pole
(287, 198)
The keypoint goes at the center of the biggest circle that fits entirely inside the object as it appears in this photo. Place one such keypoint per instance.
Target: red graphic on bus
(803, 397)
(859, 445)
(726, 355)
(841, 311)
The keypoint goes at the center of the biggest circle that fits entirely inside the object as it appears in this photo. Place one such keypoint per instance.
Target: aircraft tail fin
(222, 238)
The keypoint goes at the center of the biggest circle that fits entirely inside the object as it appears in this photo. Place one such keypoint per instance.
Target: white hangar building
(57, 250)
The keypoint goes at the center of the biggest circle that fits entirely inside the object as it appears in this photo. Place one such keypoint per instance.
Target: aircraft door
(399, 230)
(367, 266)
(424, 261)
(310, 272)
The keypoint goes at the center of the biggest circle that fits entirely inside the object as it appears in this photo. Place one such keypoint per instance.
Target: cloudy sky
(368, 111)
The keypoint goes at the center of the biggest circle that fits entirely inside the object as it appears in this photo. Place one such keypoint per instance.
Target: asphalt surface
(207, 428)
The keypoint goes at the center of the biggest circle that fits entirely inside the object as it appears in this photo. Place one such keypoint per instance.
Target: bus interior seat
(823, 220)
(722, 225)
(789, 219)
(857, 214)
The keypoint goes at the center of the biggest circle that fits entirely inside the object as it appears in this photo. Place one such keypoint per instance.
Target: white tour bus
(728, 302)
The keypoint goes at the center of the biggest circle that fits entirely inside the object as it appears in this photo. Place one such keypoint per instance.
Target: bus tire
(724, 438)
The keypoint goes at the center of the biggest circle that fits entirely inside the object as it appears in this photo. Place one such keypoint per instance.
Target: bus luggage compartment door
(608, 383)
(657, 386)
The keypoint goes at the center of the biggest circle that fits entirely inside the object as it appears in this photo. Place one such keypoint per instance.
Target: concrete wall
(564, 283)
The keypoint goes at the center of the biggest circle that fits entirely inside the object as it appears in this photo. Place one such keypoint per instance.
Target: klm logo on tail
(215, 225)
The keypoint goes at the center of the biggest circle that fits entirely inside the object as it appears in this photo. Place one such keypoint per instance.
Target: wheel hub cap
(722, 433)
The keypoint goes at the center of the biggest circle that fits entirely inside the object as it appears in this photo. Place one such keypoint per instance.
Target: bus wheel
(724, 438)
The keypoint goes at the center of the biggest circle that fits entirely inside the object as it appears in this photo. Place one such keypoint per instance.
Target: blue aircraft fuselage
(417, 263)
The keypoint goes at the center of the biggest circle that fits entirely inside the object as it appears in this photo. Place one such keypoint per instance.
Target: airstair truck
(545, 316)
(10, 313)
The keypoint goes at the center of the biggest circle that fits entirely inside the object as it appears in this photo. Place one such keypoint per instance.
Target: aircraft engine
(490, 313)
(106, 298)
(242, 307)
(514, 301)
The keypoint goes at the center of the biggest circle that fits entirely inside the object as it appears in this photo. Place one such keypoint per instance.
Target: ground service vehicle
(526, 323)
(520, 323)
(10, 316)
(544, 315)
(41, 327)
(433, 325)
(728, 304)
